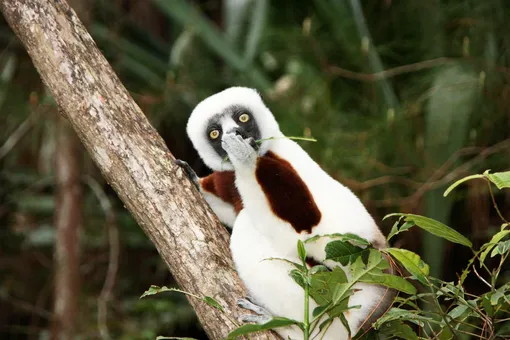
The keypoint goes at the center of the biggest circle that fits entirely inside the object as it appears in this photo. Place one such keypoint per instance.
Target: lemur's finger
(258, 319)
(247, 304)
(189, 171)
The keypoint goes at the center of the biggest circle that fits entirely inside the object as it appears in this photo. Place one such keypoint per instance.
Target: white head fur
(218, 104)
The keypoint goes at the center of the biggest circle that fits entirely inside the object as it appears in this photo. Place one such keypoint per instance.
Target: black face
(247, 127)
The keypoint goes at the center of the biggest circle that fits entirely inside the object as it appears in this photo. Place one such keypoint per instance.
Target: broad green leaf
(344, 252)
(501, 249)
(271, 324)
(213, 303)
(324, 284)
(412, 263)
(391, 281)
(437, 228)
(301, 251)
(500, 179)
(489, 245)
(460, 181)
(398, 329)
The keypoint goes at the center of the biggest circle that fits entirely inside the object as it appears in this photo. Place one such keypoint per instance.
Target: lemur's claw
(189, 171)
(246, 303)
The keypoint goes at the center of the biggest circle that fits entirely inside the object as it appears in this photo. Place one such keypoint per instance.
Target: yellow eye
(244, 118)
(214, 134)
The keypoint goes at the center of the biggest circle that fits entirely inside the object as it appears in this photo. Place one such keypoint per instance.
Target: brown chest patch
(222, 184)
(289, 197)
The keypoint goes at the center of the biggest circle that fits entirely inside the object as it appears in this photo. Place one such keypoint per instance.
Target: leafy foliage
(452, 311)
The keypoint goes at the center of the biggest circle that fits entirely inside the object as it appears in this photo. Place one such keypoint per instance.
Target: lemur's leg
(189, 171)
(262, 316)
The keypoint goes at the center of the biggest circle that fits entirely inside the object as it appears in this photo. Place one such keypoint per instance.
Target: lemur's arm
(219, 191)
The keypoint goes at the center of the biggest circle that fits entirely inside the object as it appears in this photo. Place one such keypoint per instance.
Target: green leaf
(352, 238)
(437, 228)
(153, 290)
(493, 242)
(213, 303)
(403, 315)
(460, 181)
(343, 252)
(184, 13)
(301, 251)
(391, 281)
(395, 230)
(324, 284)
(500, 179)
(501, 249)
(298, 277)
(412, 263)
(271, 324)
(458, 311)
(319, 268)
(398, 329)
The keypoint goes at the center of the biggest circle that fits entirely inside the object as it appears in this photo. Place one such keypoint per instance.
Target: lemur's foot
(262, 316)
(189, 171)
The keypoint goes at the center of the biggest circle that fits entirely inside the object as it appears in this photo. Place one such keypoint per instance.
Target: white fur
(225, 211)
(259, 234)
(217, 104)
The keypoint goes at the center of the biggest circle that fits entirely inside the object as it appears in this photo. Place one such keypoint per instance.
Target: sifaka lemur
(269, 190)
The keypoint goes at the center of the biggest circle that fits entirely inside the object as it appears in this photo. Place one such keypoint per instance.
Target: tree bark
(132, 156)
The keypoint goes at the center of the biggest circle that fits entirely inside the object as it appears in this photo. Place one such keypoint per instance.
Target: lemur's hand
(241, 152)
(189, 171)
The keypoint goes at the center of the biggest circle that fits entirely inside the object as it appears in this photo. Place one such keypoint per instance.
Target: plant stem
(494, 202)
(306, 321)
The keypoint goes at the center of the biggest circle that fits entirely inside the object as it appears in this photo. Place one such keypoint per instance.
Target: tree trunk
(131, 155)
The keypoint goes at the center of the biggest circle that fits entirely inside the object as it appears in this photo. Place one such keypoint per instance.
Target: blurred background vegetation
(403, 97)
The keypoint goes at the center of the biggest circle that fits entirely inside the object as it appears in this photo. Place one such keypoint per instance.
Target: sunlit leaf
(500, 179)
(347, 237)
(301, 251)
(501, 249)
(437, 228)
(460, 181)
(493, 242)
(412, 263)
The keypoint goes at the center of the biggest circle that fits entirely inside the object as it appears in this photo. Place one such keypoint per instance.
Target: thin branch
(113, 259)
(389, 73)
(16, 136)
